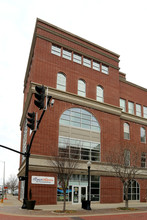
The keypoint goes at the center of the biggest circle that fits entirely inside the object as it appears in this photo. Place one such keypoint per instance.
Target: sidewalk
(13, 207)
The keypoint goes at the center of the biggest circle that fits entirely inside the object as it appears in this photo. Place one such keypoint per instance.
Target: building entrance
(78, 189)
(79, 193)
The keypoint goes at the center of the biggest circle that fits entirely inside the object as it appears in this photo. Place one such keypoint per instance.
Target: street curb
(72, 215)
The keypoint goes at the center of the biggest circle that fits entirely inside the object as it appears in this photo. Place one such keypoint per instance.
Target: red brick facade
(42, 68)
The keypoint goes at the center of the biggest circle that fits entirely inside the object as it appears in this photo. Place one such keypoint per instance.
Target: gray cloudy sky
(118, 25)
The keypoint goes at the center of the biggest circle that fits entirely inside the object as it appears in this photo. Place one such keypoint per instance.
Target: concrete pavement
(13, 207)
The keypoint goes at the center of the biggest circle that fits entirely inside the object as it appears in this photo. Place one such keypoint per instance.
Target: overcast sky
(117, 25)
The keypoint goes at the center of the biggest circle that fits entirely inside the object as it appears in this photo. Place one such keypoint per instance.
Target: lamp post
(3, 176)
(88, 201)
(3, 173)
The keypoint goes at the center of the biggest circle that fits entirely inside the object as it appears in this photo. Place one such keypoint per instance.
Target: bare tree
(65, 167)
(125, 165)
(12, 183)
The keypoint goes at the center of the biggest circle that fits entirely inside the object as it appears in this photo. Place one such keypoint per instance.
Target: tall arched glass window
(61, 81)
(79, 135)
(133, 192)
(81, 88)
(99, 94)
(126, 131)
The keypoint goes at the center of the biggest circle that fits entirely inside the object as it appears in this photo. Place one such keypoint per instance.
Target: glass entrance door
(79, 193)
(75, 194)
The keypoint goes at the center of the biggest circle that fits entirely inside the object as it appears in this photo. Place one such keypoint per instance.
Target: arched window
(126, 131)
(79, 135)
(81, 88)
(142, 135)
(99, 94)
(133, 192)
(61, 81)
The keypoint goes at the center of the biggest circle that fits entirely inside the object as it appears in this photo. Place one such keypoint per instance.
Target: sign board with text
(43, 180)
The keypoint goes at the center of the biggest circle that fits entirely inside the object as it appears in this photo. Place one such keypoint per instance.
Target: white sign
(43, 180)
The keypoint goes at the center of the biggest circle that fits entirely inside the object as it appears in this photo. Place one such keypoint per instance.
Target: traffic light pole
(27, 155)
(16, 151)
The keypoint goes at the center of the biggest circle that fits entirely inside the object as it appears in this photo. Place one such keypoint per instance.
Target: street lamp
(88, 201)
(3, 175)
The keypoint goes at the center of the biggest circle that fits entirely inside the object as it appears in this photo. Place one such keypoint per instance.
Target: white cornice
(82, 101)
(43, 163)
(71, 98)
(133, 118)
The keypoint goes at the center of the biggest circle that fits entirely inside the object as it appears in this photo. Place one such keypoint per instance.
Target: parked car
(15, 192)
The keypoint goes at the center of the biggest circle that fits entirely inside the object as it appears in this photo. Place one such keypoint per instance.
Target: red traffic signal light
(31, 120)
(40, 96)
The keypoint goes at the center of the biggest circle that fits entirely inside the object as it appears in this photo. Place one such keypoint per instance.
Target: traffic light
(31, 120)
(22, 178)
(40, 96)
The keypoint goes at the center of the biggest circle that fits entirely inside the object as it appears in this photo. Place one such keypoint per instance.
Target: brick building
(96, 110)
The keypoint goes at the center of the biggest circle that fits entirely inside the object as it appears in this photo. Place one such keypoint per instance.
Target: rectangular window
(96, 66)
(81, 88)
(144, 112)
(105, 69)
(138, 110)
(143, 160)
(143, 135)
(127, 158)
(61, 82)
(126, 131)
(66, 54)
(131, 107)
(56, 50)
(123, 105)
(95, 188)
(87, 62)
(99, 94)
(77, 58)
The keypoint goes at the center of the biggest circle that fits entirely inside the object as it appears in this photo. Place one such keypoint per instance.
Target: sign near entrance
(43, 180)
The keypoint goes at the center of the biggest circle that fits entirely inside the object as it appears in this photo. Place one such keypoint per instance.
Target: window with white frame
(87, 62)
(61, 81)
(77, 58)
(142, 135)
(81, 88)
(126, 131)
(127, 157)
(99, 94)
(131, 107)
(56, 50)
(144, 112)
(133, 191)
(105, 69)
(66, 54)
(138, 110)
(143, 159)
(123, 104)
(96, 66)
